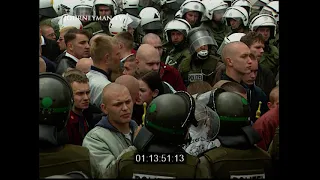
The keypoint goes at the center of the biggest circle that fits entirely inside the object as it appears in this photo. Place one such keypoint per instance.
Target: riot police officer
(168, 10)
(103, 11)
(176, 32)
(246, 4)
(213, 20)
(55, 156)
(238, 156)
(165, 131)
(150, 22)
(46, 12)
(238, 19)
(256, 8)
(202, 63)
(272, 8)
(192, 11)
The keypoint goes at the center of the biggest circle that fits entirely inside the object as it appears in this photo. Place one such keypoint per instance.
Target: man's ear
(229, 62)
(103, 108)
(155, 93)
(70, 46)
(106, 58)
(269, 105)
(137, 60)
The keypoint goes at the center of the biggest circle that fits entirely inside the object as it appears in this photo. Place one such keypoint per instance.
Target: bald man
(114, 133)
(238, 59)
(147, 59)
(168, 74)
(131, 83)
(84, 65)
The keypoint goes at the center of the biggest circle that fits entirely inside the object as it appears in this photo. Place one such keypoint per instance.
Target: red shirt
(266, 126)
(77, 128)
(172, 76)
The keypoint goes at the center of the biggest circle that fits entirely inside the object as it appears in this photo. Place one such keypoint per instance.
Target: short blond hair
(65, 29)
(101, 46)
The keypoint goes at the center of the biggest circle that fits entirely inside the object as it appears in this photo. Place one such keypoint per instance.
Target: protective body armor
(176, 57)
(218, 33)
(230, 163)
(95, 27)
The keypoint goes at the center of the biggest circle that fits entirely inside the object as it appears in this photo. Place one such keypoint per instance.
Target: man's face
(204, 47)
(49, 33)
(257, 49)
(119, 106)
(156, 43)
(130, 30)
(151, 63)
(104, 10)
(61, 42)
(129, 68)
(192, 17)
(176, 37)
(80, 46)
(241, 60)
(249, 78)
(235, 23)
(218, 14)
(265, 32)
(81, 95)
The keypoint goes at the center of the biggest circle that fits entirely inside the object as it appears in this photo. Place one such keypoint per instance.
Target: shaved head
(131, 83)
(147, 59)
(154, 40)
(112, 89)
(84, 65)
(230, 50)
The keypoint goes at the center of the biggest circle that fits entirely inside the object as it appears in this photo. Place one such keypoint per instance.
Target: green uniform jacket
(270, 59)
(229, 163)
(127, 168)
(205, 71)
(275, 41)
(254, 13)
(218, 33)
(69, 158)
(95, 27)
(176, 57)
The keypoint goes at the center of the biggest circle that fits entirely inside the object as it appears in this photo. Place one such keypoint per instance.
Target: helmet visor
(48, 12)
(265, 11)
(135, 21)
(156, 25)
(174, 6)
(82, 11)
(145, 3)
(200, 38)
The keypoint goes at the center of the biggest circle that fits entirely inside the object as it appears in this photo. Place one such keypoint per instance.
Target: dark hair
(71, 34)
(252, 37)
(233, 87)
(153, 80)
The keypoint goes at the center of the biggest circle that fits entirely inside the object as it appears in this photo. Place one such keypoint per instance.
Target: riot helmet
(112, 4)
(180, 25)
(234, 37)
(55, 100)
(237, 13)
(246, 4)
(61, 7)
(272, 9)
(178, 15)
(264, 20)
(150, 19)
(67, 20)
(131, 7)
(123, 22)
(169, 122)
(214, 10)
(194, 6)
(259, 3)
(228, 2)
(171, 4)
(199, 37)
(46, 9)
(233, 111)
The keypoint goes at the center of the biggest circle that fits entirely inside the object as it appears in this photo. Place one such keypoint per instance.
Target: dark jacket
(64, 63)
(93, 115)
(255, 94)
(265, 80)
(51, 49)
(50, 65)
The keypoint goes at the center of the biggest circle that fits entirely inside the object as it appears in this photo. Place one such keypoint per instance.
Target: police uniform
(96, 27)
(270, 58)
(176, 56)
(165, 130)
(55, 155)
(238, 157)
(218, 33)
(204, 71)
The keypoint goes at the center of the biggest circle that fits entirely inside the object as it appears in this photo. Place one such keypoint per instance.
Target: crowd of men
(159, 89)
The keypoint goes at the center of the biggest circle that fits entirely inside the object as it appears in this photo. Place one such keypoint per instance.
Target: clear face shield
(82, 10)
(198, 38)
(133, 21)
(218, 14)
(175, 6)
